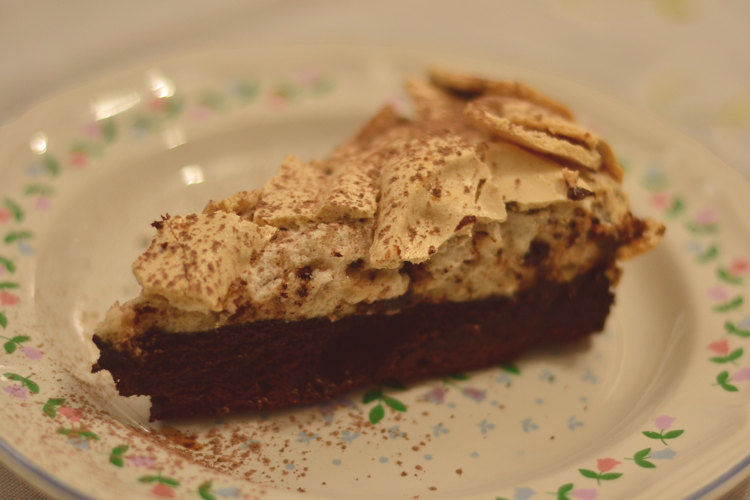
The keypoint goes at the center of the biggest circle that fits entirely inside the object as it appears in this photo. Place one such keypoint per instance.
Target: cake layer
(273, 364)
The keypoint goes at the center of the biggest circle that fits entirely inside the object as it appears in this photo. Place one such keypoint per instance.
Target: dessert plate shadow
(655, 406)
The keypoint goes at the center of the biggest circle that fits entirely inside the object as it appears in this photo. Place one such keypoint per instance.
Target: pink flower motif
(79, 159)
(202, 111)
(585, 494)
(706, 216)
(5, 215)
(142, 461)
(742, 375)
(32, 352)
(70, 413)
(606, 464)
(162, 490)
(8, 299)
(719, 347)
(436, 395)
(739, 266)
(43, 203)
(17, 390)
(475, 394)
(660, 200)
(94, 130)
(717, 293)
(664, 422)
(397, 103)
(308, 76)
(158, 104)
(276, 100)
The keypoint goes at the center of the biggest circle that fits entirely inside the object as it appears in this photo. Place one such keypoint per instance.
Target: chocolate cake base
(273, 364)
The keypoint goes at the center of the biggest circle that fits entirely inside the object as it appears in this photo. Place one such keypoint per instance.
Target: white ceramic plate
(658, 406)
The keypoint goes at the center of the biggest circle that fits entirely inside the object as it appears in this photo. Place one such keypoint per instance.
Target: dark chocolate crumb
(578, 193)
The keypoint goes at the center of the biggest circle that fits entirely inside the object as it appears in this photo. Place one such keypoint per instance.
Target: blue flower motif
(229, 492)
(547, 375)
(523, 493)
(305, 437)
(485, 426)
(36, 169)
(745, 323)
(290, 466)
(588, 375)
(528, 425)
(439, 429)
(394, 432)
(694, 247)
(573, 422)
(348, 436)
(665, 454)
(504, 378)
(79, 442)
(25, 248)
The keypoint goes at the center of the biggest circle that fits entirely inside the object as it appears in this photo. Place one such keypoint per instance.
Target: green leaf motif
(652, 434)
(376, 414)
(723, 380)
(65, 432)
(8, 285)
(673, 434)
(17, 236)
(51, 164)
(119, 450)
(14, 208)
(13, 376)
(609, 476)
(116, 460)
(734, 330)
(697, 228)
(31, 385)
(109, 130)
(511, 368)
(174, 107)
(732, 304)
(3, 320)
(8, 264)
(676, 207)
(728, 277)
(20, 339)
(38, 189)
(10, 347)
(459, 376)
(214, 100)
(89, 435)
(562, 491)
(589, 474)
(709, 254)
(169, 481)
(394, 403)
(642, 462)
(732, 356)
(148, 479)
(204, 490)
(50, 407)
(247, 90)
(372, 395)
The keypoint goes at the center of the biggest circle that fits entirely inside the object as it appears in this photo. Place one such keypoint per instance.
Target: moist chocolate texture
(486, 224)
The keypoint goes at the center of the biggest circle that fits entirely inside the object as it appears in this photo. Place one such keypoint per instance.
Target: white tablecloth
(686, 60)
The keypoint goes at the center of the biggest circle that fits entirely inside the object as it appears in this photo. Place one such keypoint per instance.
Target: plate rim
(728, 172)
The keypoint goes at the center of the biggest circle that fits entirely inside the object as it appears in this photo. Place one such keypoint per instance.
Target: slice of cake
(487, 224)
